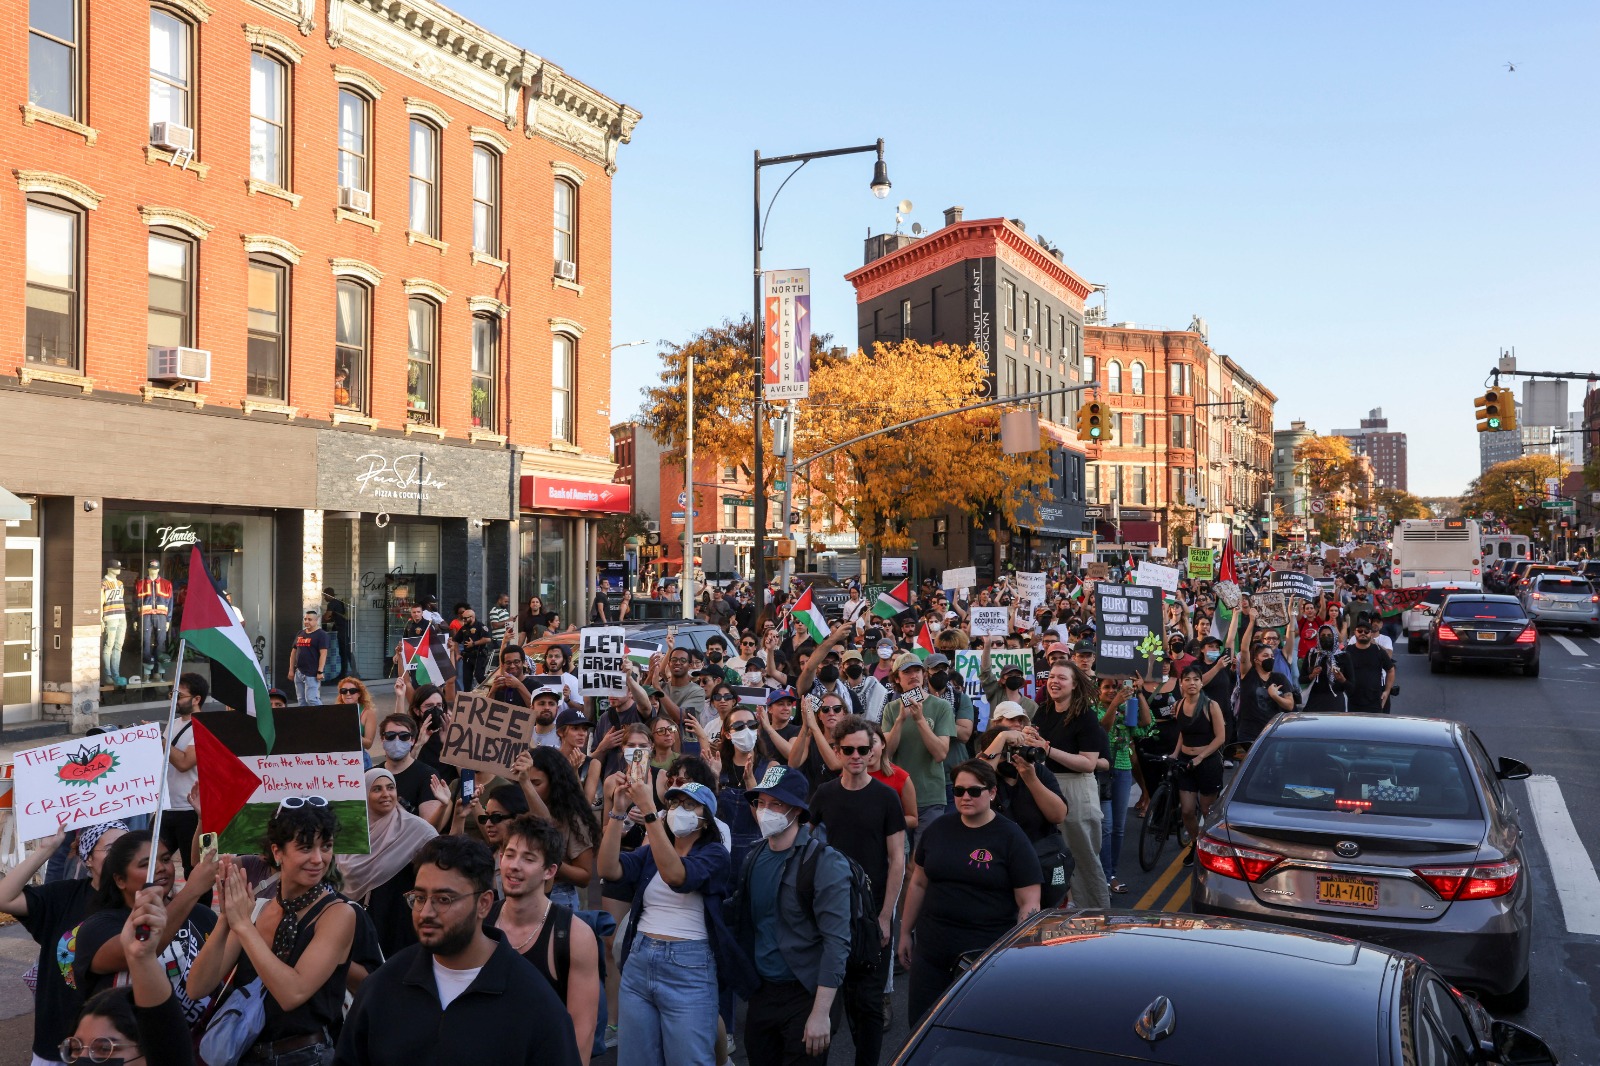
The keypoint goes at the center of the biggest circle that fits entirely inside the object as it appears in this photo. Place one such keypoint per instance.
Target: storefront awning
(12, 509)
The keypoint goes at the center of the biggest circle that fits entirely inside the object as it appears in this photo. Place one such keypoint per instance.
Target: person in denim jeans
(307, 660)
(676, 945)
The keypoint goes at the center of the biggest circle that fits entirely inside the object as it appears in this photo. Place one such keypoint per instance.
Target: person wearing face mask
(1008, 685)
(883, 664)
(1263, 693)
(417, 784)
(1328, 672)
(946, 684)
(869, 693)
(717, 658)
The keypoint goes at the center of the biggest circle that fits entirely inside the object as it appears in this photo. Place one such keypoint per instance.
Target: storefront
(557, 551)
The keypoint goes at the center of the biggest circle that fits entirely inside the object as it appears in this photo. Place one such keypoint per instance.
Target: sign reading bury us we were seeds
(1127, 622)
(89, 780)
(603, 661)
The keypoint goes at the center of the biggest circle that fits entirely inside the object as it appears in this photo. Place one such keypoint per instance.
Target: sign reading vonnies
(786, 334)
(542, 493)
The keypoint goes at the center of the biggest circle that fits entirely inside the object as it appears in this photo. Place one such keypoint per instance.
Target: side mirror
(1513, 770)
(1516, 1046)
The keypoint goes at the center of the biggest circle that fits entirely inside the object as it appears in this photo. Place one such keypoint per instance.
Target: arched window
(485, 370)
(1136, 379)
(54, 327)
(566, 222)
(486, 201)
(422, 348)
(563, 392)
(351, 351)
(355, 126)
(1113, 376)
(171, 278)
(171, 68)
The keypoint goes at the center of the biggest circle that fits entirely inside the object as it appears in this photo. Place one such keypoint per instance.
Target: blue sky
(1360, 198)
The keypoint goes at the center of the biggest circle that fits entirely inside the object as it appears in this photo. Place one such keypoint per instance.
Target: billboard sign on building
(786, 333)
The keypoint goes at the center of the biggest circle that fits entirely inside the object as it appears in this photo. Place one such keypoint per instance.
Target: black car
(1483, 628)
(1187, 990)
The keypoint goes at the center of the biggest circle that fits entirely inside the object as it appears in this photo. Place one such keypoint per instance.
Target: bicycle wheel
(1156, 827)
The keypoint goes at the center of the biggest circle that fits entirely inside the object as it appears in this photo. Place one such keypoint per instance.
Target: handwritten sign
(989, 621)
(603, 661)
(1202, 564)
(1158, 576)
(1030, 590)
(486, 735)
(1098, 572)
(88, 781)
(960, 577)
(1127, 628)
(968, 665)
(1272, 609)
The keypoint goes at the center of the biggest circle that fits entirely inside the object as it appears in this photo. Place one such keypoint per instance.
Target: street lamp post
(880, 189)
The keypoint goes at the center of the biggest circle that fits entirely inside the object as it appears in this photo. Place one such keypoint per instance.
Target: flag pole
(143, 932)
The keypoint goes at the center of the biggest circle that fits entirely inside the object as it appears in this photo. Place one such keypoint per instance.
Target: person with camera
(1026, 796)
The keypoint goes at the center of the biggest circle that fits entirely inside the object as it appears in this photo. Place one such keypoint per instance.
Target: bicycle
(1163, 816)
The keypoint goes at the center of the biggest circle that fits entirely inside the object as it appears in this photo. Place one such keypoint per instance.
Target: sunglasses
(294, 803)
(724, 696)
(736, 727)
(349, 692)
(972, 791)
(831, 708)
(493, 819)
(852, 749)
(397, 736)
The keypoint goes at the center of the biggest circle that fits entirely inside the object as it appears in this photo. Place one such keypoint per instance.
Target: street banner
(1271, 608)
(1293, 584)
(603, 661)
(989, 621)
(88, 780)
(1030, 591)
(316, 755)
(786, 333)
(960, 577)
(1127, 629)
(1161, 577)
(1202, 564)
(486, 735)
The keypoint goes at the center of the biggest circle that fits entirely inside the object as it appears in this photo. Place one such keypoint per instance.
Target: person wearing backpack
(863, 818)
(792, 915)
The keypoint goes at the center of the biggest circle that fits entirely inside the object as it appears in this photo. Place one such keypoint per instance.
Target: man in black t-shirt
(413, 778)
(474, 640)
(863, 818)
(1371, 673)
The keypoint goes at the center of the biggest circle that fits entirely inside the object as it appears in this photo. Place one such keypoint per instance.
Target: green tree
(614, 530)
(1501, 488)
(1398, 504)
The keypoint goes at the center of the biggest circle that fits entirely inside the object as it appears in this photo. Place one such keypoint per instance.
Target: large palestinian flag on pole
(809, 617)
(418, 655)
(214, 630)
(894, 602)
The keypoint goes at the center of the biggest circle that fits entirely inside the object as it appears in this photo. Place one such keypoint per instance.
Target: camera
(1023, 751)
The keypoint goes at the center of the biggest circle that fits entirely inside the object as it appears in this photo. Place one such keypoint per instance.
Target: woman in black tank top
(1201, 731)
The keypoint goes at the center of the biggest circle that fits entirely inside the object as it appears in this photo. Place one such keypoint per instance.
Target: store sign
(398, 477)
(359, 472)
(176, 537)
(550, 493)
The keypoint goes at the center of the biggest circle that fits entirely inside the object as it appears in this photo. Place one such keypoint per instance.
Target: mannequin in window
(114, 625)
(155, 609)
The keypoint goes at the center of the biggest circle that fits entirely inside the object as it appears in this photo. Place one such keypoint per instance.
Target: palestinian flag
(418, 655)
(924, 645)
(809, 617)
(895, 602)
(212, 628)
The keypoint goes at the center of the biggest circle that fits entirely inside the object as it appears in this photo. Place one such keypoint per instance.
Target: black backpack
(866, 941)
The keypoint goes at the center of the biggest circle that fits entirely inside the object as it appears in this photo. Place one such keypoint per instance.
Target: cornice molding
(568, 171)
(198, 10)
(303, 13)
(355, 268)
(487, 304)
(486, 136)
(58, 185)
(424, 287)
(358, 79)
(419, 107)
(266, 244)
(178, 219)
(567, 112)
(566, 325)
(272, 41)
(978, 238)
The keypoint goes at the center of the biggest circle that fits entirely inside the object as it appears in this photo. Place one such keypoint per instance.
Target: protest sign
(989, 621)
(316, 755)
(1161, 577)
(1030, 591)
(602, 661)
(967, 665)
(1202, 564)
(88, 780)
(486, 735)
(1098, 572)
(960, 577)
(1314, 570)
(1330, 558)
(1127, 629)
(1293, 584)
(1271, 609)
(1363, 552)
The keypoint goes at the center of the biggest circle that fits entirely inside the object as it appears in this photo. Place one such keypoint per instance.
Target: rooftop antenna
(901, 210)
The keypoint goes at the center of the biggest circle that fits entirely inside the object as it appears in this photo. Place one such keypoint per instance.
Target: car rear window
(1436, 596)
(1482, 609)
(1562, 586)
(1372, 777)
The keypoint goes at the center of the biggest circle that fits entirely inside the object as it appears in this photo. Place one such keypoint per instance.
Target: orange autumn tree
(884, 483)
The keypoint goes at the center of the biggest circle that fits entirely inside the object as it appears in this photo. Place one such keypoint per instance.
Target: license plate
(1347, 892)
(1487, 636)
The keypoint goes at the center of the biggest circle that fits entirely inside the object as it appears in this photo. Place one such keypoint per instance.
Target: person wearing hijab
(380, 879)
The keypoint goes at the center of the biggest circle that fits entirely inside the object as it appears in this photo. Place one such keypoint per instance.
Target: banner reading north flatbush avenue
(786, 333)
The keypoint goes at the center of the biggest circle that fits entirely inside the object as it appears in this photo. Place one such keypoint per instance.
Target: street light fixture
(880, 188)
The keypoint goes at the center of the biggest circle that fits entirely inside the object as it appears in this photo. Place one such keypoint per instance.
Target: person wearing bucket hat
(917, 731)
(800, 941)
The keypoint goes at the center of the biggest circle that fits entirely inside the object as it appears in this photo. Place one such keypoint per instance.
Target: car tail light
(1241, 864)
(1471, 882)
(1446, 633)
(1528, 635)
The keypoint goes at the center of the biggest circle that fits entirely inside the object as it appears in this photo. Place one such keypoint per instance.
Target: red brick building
(323, 288)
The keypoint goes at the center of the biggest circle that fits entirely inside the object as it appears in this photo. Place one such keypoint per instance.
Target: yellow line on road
(1149, 898)
(1179, 898)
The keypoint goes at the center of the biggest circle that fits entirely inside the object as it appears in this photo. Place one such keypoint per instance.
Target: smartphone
(208, 842)
(634, 755)
(469, 785)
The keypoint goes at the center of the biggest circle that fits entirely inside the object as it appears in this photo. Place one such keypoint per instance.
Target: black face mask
(939, 679)
(1014, 683)
(1326, 641)
(828, 674)
(713, 656)
(853, 671)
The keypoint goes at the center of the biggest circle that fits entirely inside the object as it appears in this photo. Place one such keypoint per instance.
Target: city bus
(1432, 550)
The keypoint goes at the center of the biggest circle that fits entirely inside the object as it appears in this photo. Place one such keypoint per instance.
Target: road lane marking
(1576, 882)
(1570, 644)
(1179, 898)
(1148, 900)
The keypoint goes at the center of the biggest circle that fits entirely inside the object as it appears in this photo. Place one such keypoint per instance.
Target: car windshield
(1481, 609)
(1374, 777)
(1562, 586)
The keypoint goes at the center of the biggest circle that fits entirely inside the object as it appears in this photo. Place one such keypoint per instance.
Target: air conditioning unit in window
(566, 270)
(172, 137)
(180, 364)
(359, 200)
(652, 526)
(1027, 334)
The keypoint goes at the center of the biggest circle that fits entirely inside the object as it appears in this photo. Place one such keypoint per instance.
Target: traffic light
(1508, 409)
(1496, 411)
(1094, 423)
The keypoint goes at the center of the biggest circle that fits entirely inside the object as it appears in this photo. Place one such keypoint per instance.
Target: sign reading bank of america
(786, 327)
(563, 494)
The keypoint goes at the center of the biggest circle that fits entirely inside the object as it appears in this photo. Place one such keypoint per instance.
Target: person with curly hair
(555, 794)
(354, 690)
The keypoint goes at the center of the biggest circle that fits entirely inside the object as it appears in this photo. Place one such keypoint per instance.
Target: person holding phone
(918, 729)
(1264, 692)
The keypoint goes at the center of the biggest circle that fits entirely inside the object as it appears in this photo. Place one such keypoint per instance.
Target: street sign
(1560, 505)
(678, 517)
(1317, 506)
(780, 485)
(742, 501)
(1094, 512)
(683, 499)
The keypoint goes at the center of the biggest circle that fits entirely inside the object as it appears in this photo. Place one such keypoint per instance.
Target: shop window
(424, 178)
(351, 354)
(53, 56)
(485, 370)
(54, 325)
(268, 355)
(422, 347)
(355, 125)
(269, 120)
(1136, 379)
(171, 309)
(171, 69)
(563, 409)
(566, 223)
(485, 201)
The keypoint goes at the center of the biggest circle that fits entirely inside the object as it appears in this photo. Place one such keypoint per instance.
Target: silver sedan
(1398, 831)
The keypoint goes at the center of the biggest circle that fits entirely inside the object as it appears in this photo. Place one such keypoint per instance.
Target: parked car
(827, 592)
(1169, 988)
(1483, 628)
(1563, 600)
(1394, 830)
(1416, 620)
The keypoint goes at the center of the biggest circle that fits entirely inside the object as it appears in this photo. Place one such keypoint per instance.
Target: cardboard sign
(1272, 609)
(961, 577)
(1099, 572)
(1363, 552)
(1202, 564)
(317, 755)
(1128, 629)
(1162, 577)
(1314, 570)
(603, 661)
(1330, 558)
(989, 621)
(1031, 590)
(88, 780)
(486, 735)
(1293, 584)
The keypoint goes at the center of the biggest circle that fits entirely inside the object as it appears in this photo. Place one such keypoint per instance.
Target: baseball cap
(546, 690)
(936, 659)
(697, 792)
(1083, 647)
(783, 784)
(852, 655)
(1057, 646)
(1010, 709)
(779, 694)
(571, 717)
(906, 662)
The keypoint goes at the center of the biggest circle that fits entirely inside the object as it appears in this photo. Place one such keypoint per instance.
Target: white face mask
(771, 822)
(682, 820)
(745, 740)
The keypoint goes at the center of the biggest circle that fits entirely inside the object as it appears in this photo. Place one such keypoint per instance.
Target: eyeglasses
(397, 736)
(831, 708)
(973, 791)
(441, 901)
(493, 819)
(100, 1049)
(724, 696)
(349, 692)
(735, 727)
(294, 803)
(851, 749)
(665, 732)
(747, 644)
